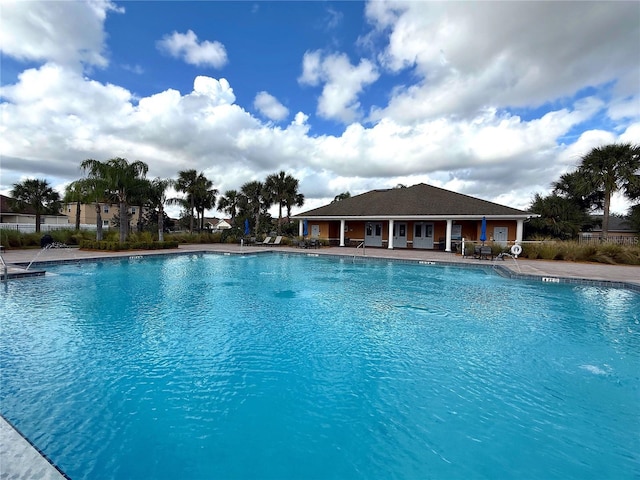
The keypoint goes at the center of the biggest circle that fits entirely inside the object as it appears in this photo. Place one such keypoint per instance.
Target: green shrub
(10, 238)
(578, 252)
(141, 237)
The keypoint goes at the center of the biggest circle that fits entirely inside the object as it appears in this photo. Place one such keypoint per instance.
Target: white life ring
(516, 250)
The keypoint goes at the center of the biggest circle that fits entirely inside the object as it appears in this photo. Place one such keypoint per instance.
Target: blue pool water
(278, 367)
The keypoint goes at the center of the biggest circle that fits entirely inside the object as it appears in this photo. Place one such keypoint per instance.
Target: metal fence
(614, 239)
(45, 227)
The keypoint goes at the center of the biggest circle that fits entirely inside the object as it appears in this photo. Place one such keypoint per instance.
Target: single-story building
(216, 224)
(420, 216)
(24, 220)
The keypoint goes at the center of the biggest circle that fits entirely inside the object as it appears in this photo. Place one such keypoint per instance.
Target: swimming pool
(286, 366)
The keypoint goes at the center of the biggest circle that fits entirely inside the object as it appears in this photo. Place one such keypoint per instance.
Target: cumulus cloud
(463, 117)
(68, 33)
(187, 47)
(270, 107)
(495, 54)
(342, 81)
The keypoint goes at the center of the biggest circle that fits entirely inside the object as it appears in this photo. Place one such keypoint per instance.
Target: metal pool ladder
(363, 251)
(5, 269)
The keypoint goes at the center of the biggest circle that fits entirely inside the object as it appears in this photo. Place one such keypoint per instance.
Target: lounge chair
(276, 241)
(266, 241)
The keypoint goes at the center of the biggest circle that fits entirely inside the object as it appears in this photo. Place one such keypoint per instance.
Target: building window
(105, 209)
(105, 223)
(418, 233)
(133, 210)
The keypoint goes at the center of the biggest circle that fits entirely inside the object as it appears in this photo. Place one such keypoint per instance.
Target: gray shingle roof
(416, 200)
(616, 224)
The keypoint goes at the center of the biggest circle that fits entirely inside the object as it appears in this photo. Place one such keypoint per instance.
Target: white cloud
(343, 83)
(270, 107)
(453, 124)
(497, 55)
(68, 33)
(186, 47)
(51, 130)
(334, 18)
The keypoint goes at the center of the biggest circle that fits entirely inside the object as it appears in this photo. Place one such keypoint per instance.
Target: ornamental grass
(572, 251)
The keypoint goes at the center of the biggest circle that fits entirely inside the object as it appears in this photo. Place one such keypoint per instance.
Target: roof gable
(416, 200)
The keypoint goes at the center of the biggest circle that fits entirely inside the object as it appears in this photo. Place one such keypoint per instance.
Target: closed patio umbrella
(305, 228)
(483, 230)
(247, 230)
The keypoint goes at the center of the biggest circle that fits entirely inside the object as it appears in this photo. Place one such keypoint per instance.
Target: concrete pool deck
(20, 460)
(570, 272)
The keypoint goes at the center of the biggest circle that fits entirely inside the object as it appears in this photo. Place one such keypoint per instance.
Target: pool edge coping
(18, 442)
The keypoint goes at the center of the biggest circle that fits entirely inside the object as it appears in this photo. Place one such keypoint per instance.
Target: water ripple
(254, 367)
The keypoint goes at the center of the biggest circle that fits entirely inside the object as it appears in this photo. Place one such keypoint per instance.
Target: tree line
(124, 183)
(565, 212)
(577, 195)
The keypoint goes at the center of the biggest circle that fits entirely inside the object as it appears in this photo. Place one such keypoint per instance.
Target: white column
(519, 230)
(342, 225)
(390, 235)
(447, 247)
(300, 228)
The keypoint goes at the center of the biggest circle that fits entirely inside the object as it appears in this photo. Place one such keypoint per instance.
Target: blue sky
(475, 97)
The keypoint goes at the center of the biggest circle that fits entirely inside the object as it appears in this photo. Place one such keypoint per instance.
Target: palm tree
(341, 196)
(139, 192)
(157, 197)
(77, 192)
(205, 198)
(187, 184)
(573, 186)
(275, 187)
(38, 195)
(123, 179)
(229, 203)
(293, 198)
(609, 169)
(253, 198)
(560, 217)
(97, 192)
